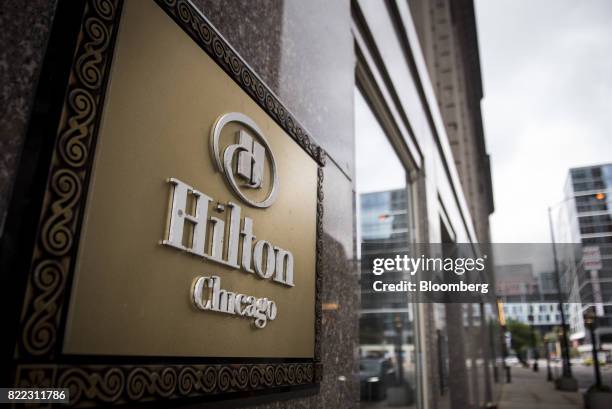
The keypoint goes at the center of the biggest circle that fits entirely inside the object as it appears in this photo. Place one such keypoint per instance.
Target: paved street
(530, 390)
(584, 374)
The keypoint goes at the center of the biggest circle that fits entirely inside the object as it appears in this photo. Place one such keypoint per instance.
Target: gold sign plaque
(177, 251)
(132, 295)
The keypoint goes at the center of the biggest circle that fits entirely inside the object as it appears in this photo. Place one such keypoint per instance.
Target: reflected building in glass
(386, 319)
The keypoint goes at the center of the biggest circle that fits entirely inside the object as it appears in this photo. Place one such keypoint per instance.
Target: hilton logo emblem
(192, 227)
(251, 150)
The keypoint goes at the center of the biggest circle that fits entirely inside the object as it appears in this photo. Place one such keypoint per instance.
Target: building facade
(389, 91)
(546, 316)
(528, 297)
(585, 218)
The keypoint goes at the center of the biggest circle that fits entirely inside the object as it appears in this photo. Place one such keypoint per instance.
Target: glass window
(386, 324)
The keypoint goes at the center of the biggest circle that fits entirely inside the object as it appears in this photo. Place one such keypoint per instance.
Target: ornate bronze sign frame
(92, 380)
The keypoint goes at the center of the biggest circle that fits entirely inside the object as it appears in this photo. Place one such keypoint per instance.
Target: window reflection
(387, 367)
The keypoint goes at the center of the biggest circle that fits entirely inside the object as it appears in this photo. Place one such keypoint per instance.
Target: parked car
(512, 360)
(375, 375)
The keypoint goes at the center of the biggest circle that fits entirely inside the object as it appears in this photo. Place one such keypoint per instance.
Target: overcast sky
(547, 73)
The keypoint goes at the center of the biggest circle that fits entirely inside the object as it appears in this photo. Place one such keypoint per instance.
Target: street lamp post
(559, 349)
(549, 376)
(502, 326)
(590, 321)
(399, 326)
(534, 345)
(567, 381)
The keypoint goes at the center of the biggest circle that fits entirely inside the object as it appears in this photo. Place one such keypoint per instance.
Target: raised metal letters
(180, 217)
(261, 257)
(208, 295)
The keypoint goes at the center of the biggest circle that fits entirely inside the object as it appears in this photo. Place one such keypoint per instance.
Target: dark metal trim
(38, 359)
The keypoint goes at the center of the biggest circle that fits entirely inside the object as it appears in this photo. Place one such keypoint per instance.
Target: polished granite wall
(25, 28)
(304, 51)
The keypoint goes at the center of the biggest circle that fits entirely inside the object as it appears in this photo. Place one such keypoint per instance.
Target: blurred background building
(386, 330)
(526, 295)
(585, 218)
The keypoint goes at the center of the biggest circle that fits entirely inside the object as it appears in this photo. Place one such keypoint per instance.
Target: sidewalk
(530, 390)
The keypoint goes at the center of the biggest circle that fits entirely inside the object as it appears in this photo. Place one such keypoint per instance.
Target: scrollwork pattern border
(57, 236)
(96, 384)
(39, 362)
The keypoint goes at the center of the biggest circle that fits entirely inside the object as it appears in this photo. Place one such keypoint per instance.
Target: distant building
(546, 315)
(516, 282)
(548, 286)
(525, 294)
(590, 210)
(586, 218)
